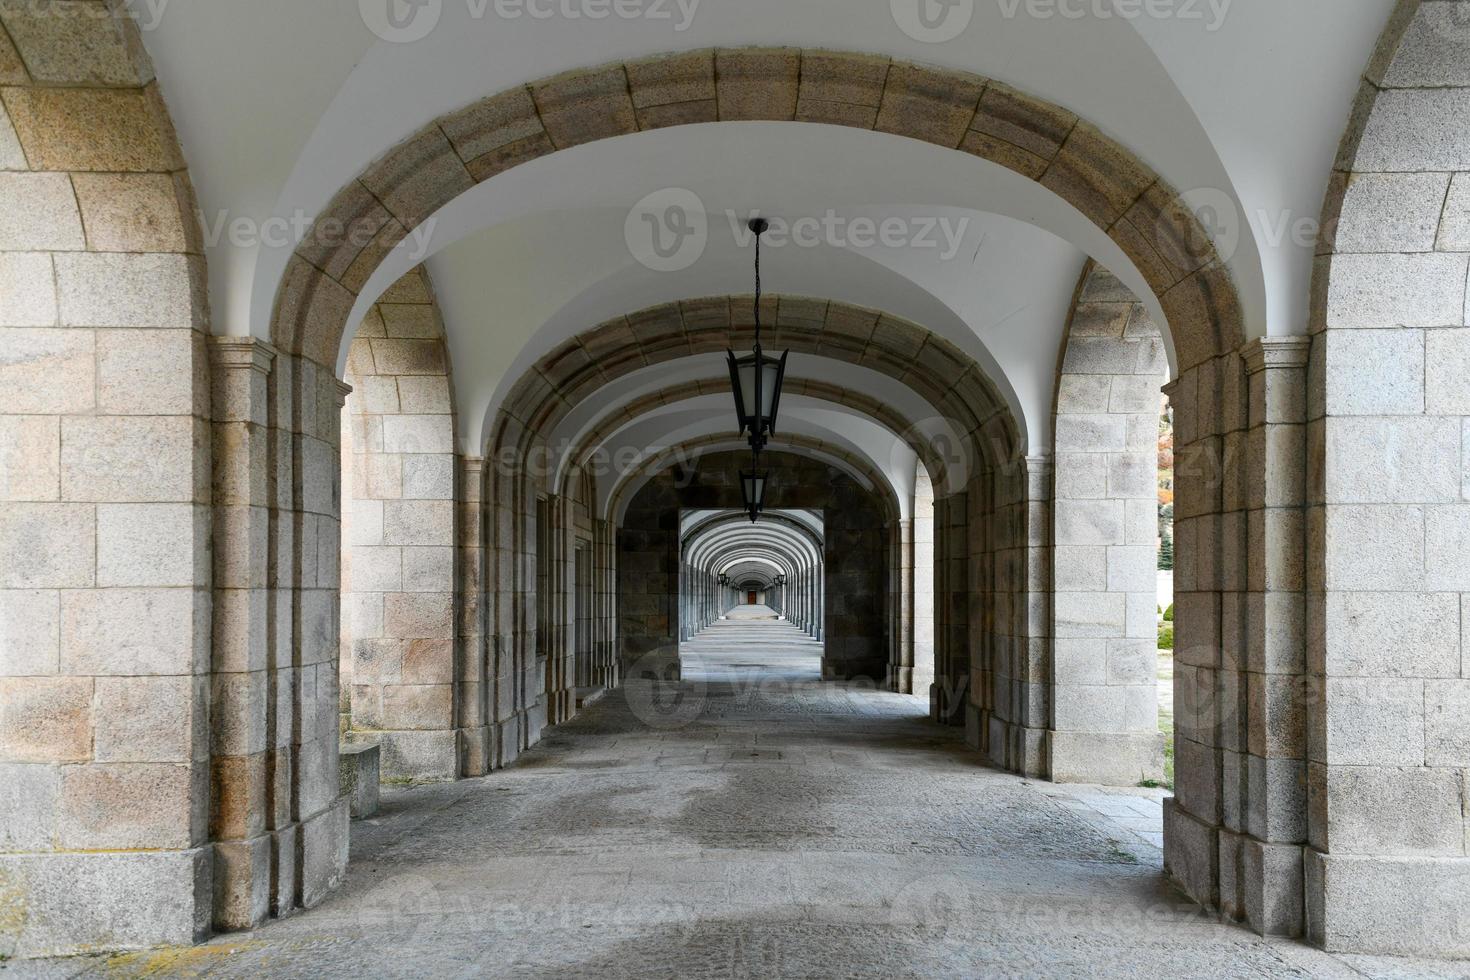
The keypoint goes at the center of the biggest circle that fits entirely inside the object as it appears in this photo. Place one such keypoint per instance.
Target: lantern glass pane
(769, 372)
(747, 388)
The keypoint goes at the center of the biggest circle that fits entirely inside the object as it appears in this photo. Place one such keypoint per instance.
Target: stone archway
(1386, 410)
(1104, 693)
(399, 589)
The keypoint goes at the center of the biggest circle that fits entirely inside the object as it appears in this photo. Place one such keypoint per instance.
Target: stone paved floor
(754, 822)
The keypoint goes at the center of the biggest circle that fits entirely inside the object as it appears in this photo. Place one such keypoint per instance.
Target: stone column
(1262, 709)
(476, 751)
(243, 688)
(901, 668)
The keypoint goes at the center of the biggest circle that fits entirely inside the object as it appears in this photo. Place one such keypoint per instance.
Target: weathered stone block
(1374, 722)
(1371, 634)
(1388, 905)
(150, 719)
(757, 83)
(324, 840)
(132, 806)
(78, 903)
(359, 774)
(418, 177)
(582, 106)
(126, 290)
(133, 631)
(152, 545)
(150, 372)
(46, 719)
(47, 546)
(38, 213)
(131, 212)
(132, 459)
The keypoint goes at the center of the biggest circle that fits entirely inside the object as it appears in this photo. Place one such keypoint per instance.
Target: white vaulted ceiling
(279, 103)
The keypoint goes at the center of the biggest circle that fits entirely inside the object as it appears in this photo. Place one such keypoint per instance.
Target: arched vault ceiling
(1197, 97)
(682, 422)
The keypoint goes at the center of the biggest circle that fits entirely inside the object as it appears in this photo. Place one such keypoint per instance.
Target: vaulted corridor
(755, 822)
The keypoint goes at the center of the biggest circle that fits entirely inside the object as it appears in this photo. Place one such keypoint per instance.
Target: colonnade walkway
(749, 820)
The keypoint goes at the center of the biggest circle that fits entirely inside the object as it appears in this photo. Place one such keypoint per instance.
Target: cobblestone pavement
(752, 822)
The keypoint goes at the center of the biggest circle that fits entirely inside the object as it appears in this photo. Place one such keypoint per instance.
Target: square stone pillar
(1263, 700)
(476, 755)
(901, 662)
(244, 680)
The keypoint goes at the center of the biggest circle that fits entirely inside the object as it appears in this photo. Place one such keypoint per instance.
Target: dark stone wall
(856, 558)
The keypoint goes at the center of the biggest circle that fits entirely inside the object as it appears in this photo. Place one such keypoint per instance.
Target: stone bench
(358, 771)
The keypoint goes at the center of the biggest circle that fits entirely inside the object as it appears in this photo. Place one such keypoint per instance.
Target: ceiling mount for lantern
(756, 379)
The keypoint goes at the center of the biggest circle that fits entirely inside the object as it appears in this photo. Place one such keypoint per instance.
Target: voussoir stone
(931, 104)
(1096, 175)
(91, 129)
(583, 106)
(842, 89)
(418, 177)
(757, 83)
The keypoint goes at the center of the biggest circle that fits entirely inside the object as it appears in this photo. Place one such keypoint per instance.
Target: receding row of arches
(481, 590)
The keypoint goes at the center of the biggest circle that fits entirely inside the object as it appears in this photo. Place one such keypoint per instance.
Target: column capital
(249, 353)
(1265, 353)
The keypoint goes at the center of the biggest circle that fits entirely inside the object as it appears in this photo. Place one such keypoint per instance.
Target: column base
(324, 850)
(242, 883)
(1192, 854)
(1017, 748)
(68, 904)
(1388, 906)
(1106, 758)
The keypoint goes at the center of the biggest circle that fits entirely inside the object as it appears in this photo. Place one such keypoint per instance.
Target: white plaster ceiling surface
(278, 104)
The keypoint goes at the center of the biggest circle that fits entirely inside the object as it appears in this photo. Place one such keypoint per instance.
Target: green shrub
(1166, 637)
(1169, 613)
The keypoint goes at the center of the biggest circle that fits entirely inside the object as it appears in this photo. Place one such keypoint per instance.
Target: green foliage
(1169, 613)
(1166, 637)
(1166, 552)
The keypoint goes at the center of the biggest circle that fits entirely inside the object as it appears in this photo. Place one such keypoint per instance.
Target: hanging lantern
(756, 379)
(753, 489)
(780, 578)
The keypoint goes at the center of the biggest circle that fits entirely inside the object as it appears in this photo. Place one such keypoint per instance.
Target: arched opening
(399, 535)
(536, 565)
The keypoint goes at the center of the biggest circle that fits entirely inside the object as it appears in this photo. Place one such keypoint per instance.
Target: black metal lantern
(780, 578)
(753, 489)
(756, 379)
(724, 579)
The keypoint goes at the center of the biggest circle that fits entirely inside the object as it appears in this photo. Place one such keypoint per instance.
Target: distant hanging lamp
(756, 378)
(753, 486)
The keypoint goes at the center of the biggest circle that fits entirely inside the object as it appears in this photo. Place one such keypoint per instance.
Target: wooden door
(750, 598)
